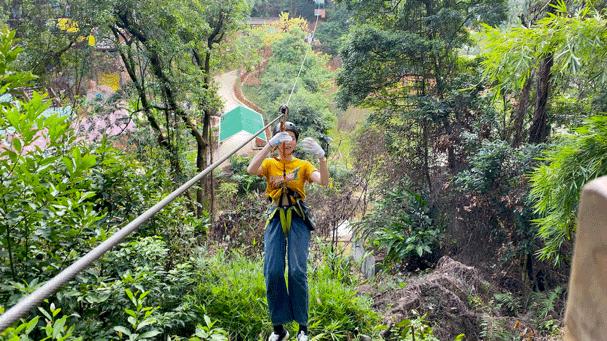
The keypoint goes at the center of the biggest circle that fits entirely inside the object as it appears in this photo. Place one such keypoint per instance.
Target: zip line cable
(54, 284)
(305, 57)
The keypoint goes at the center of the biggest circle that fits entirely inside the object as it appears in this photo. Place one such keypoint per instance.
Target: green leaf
(129, 293)
(58, 327)
(420, 250)
(17, 145)
(122, 330)
(87, 162)
(145, 323)
(45, 313)
(150, 334)
(132, 320)
(32, 324)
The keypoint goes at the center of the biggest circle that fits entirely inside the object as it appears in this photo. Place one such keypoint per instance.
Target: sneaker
(276, 337)
(302, 336)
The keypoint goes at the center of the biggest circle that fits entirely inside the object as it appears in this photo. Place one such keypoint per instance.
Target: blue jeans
(292, 304)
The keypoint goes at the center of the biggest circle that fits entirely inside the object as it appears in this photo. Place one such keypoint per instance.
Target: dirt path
(226, 83)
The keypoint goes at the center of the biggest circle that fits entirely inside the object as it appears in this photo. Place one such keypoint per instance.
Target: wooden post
(586, 314)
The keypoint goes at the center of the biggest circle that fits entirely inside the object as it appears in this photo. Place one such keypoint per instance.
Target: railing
(51, 286)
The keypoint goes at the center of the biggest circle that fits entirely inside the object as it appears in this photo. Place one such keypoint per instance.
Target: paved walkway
(226, 82)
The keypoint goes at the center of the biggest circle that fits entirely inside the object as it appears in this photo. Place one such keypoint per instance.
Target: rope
(51, 286)
(304, 59)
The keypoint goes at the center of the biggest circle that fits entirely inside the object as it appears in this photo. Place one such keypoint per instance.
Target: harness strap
(285, 215)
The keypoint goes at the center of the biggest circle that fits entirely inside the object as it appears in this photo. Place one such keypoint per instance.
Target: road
(226, 82)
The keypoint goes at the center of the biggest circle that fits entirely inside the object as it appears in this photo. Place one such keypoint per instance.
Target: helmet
(289, 126)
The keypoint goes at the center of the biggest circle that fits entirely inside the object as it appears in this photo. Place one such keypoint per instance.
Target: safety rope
(284, 109)
(305, 57)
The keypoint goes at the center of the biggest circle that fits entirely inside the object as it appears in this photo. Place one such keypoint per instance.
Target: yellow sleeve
(309, 170)
(265, 164)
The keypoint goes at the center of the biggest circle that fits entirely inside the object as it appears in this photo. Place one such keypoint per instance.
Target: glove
(279, 138)
(310, 145)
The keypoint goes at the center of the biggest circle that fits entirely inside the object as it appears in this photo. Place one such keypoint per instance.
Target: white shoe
(276, 337)
(302, 336)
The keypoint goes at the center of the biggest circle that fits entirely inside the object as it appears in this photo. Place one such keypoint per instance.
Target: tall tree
(402, 56)
(166, 50)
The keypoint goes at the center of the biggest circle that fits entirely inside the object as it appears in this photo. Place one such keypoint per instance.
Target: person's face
(289, 147)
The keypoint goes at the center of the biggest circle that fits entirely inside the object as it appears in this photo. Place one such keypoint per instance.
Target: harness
(285, 212)
(294, 200)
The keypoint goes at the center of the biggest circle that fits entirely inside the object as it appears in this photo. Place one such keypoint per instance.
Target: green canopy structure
(240, 119)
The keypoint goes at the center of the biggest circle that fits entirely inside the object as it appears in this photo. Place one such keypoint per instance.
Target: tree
(559, 51)
(166, 50)
(403, 61)
(575, 160)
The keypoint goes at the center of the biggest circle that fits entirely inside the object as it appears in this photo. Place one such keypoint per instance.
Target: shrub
(400, 225)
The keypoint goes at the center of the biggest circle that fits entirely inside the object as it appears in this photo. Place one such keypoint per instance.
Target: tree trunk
(521, 111)
(426, 156)
(163, 140)
(539, 130)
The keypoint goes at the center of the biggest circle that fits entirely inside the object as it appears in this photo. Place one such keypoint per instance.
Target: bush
(400, 225)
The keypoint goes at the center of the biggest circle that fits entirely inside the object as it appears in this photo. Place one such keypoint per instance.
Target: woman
(287, 228)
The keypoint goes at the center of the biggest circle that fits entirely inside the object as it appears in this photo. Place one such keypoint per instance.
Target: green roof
(240, 119)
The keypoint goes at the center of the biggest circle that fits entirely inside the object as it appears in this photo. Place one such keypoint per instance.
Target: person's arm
(255, 164)
(321, 176)
(254, 167)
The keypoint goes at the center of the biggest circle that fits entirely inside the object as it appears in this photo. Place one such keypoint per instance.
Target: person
(288, 226)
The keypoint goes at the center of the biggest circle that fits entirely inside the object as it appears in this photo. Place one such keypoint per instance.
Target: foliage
(209, 332)
(309, 105)
(245, 183)
(139, 319)
(273, 8)
(546, 309)
(336, 308)
(575, 38)
(331, 32)
(232, 289)
(573, 161)
(54, 328)
(416, 329)
(507, 302)
(400, 224)
(46, 183)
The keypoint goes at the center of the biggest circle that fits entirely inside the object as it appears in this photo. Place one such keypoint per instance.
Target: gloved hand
(310, 145)
(279, 138)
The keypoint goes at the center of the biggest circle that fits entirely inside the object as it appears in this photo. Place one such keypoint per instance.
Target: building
(236, 126)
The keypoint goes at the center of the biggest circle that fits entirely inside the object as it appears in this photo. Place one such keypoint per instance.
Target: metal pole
(50, 287)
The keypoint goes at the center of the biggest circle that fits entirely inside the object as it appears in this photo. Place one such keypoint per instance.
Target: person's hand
(279, 138)
(310, 145)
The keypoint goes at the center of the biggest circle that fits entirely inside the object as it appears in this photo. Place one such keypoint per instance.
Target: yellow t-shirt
(297, 173)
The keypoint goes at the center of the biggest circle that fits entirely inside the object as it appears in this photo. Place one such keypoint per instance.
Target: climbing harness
(285, 213)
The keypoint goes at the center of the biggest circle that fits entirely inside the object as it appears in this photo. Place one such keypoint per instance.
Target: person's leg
(299, 240)
(274, 273)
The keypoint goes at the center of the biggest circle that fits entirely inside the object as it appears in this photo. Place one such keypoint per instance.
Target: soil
(456, 298)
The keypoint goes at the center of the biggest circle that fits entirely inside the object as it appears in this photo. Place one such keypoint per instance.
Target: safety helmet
(289, 126)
